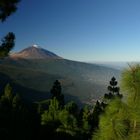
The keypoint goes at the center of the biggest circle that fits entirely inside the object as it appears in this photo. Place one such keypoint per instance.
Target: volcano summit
(35, 52)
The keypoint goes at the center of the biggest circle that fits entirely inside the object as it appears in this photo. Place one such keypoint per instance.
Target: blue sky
(83, 30)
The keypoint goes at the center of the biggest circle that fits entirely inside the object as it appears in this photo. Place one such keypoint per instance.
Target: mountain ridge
(35, 52)
(80, 80)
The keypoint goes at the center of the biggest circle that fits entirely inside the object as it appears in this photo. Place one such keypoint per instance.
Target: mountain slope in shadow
(81, 80)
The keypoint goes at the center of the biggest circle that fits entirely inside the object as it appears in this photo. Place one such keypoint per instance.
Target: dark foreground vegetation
(51, 118)
(113, 118)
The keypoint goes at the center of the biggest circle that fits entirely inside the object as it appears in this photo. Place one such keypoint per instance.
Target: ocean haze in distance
(119, 65)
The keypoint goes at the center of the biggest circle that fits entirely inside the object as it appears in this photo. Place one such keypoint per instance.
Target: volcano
(35, 52)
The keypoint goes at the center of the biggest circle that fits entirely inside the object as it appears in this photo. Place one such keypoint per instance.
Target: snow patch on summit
(36, 46)
(35, 52)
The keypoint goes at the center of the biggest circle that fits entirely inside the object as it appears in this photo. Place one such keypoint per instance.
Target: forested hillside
(80, 81)
(112, 118)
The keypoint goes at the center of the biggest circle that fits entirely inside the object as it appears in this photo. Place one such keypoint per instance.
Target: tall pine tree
(114, 122)
(8, 42)
(131, 86)
(113, 89)
(56, 92)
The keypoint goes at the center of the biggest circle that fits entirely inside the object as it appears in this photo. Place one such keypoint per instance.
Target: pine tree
(51, 115)
(16, 102)
(8, 93)
(114, 122)
(68, 123)
(113, 89)
(6, 99)
(50, 120)
(72, 108)
(86, 119)
(98, 109)
(56, 92)
(131, 86)
(7, 7)
(6, 111)
(7, 44)
(14, 116)
(56, 89)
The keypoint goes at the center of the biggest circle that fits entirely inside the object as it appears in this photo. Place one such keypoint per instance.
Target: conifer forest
(115, 116)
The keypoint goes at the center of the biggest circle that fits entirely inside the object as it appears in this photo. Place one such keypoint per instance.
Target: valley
(81, 82)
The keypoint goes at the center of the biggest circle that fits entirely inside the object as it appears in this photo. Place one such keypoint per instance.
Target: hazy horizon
(91, 61)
